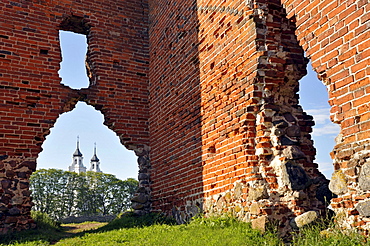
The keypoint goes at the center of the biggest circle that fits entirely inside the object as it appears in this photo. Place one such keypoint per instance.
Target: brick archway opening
(87, 123)
(58, 153)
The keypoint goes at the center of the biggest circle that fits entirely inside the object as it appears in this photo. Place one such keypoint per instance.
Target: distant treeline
(62, 194)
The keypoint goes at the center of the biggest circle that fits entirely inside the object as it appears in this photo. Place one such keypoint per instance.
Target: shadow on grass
(49, 231)
(39, 234)
(131, 220)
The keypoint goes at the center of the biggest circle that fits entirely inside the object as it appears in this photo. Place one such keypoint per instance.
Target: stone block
(279, 132)
(141, 190)
(280, 124)
(228, 197)
(293, 131)
(143, 176)
(303, 219)
(17, 200)
(324, 195)
(364, 177)
(14, 211)
(221, 203)
(298, 178)
(260, 223)
(3, 208)
(293, 153)
(237, 209)
(338, 183)
(363, 208)
(192, 210)
(140, 198)
(288, 141)
(257, 193)
(254, 208)
(137, 206)
(238, 190)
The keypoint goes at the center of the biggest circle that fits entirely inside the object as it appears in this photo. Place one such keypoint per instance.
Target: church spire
(94, 163)
(77, 163)
(77, 152)
(94, 158)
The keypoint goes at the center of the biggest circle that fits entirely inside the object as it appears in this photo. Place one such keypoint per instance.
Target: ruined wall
(241, 61)
(205, 92)
(32, 98)
(261, 155)
(335, 36)
(256, 150)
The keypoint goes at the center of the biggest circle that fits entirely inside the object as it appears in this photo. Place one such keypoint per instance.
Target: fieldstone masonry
(205, 93)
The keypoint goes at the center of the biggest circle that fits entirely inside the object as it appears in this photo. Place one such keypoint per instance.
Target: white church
(77, 163)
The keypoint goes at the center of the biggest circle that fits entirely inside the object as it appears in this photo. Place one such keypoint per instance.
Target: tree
(61, 194)
(48, 186)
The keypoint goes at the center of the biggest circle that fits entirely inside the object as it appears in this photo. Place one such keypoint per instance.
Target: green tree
(48, 186)
(61, 194)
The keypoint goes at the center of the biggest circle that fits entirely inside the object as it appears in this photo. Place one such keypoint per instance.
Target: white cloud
(323, 124)
(326, 129)
(321, 116)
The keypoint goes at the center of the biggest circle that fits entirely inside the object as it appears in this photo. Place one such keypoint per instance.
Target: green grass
(154, 229)
(319, 234)
(216, 231)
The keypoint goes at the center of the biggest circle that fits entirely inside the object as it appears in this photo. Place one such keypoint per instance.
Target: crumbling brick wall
(256, 150)
(263, 151)
(32, 97)
(207, 90)
(335, 36)
(251, 146)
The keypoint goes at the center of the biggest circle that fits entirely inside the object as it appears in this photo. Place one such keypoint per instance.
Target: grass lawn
(156, 230)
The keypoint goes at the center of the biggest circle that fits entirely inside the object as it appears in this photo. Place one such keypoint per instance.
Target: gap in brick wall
(72, 68)
(314, 100)
(87, 123)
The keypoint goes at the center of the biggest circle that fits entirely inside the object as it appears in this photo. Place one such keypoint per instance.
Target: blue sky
(87, 123)
(314, 100)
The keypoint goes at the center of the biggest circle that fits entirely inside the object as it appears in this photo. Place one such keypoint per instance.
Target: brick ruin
(205, 93)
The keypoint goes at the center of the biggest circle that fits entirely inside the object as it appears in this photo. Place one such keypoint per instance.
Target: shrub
(44, 221)
(47, 230)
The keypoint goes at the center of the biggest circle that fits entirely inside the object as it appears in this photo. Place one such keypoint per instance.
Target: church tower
(95, 163)
(77, 164)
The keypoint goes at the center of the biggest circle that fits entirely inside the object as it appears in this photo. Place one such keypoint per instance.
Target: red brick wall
(229, 60)
(31, 96)
(335, 36)
(220, 79)
(175, 108)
